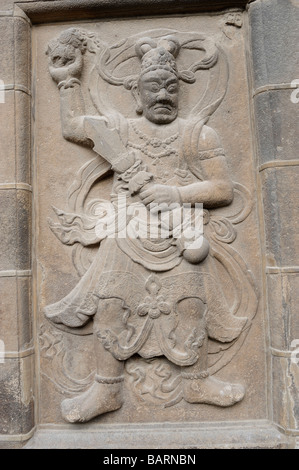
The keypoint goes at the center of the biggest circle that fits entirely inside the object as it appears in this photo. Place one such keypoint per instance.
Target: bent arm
(216, 189)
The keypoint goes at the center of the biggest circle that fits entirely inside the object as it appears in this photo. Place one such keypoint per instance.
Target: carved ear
(130, 82)
(136, 94)
(144, 45)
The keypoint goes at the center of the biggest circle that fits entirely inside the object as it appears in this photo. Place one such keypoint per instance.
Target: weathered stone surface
(285, 392)
(281, 208)
(247, 435)
(7, 139)
(219, 294)
(277, 124)
(274, 41)
(22, 44)
(15, 314)
(7, 42)
(15, 236)
(42, 11)
(8, 235)
(15, 69)
(16, 392)
(15, 138)
(56, 170)
(22, 137)
(283, 291)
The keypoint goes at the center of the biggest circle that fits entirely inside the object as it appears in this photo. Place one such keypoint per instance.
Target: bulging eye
(172, 88)
(155, 88)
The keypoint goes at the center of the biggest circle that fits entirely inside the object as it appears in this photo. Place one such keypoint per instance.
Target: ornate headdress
(157, 51)
(160, 54)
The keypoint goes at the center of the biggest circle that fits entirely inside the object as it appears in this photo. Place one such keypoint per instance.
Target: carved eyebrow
(153, 79)
(171, 80)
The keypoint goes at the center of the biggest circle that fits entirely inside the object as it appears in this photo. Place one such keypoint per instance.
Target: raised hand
(65, 64)
(66, 55)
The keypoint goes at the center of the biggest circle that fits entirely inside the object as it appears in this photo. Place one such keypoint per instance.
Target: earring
(139, 109)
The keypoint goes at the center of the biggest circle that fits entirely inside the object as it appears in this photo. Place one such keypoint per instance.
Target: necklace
(154, 141)
(155, 156)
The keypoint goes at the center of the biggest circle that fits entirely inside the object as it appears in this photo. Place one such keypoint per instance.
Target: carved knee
(192, 308)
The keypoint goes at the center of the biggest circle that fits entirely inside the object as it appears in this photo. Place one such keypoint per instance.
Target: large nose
(163, 94)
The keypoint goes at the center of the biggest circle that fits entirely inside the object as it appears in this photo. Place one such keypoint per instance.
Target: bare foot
(212, 392)
(98, 399)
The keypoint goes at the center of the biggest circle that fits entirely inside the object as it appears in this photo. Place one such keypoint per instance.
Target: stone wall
(35, 269)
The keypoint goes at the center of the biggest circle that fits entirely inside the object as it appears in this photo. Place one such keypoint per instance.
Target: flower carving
(154, 305)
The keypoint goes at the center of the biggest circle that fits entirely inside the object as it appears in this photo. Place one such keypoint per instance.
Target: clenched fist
(160, 194)
(65, 66)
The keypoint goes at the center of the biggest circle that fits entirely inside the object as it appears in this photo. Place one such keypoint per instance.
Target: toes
(69, 412)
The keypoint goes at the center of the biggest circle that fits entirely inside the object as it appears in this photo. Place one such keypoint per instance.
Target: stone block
(281, 209)
(285, 393)
(7, 138)
(46, 11)
(283, 299)
(274, 41)
(8, 233)
(15, 314)
(277, 125)
(16, 387)
(8, 313)
(15, 138)
(23, 137)
(7, 48)
(15, 232)
(15, 52)
(158, 407)
(23, 261)
(22, 45)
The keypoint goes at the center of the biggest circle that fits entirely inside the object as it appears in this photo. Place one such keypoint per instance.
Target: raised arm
(65, 66)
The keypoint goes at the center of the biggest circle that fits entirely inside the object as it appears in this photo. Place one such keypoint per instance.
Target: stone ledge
(241, 435)
(53, 10)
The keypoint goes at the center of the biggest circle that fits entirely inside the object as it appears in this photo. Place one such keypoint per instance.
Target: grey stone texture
(16, 394)
(274, 35)
(281, 204)
(262, 155)
(274, 29)
(17, 370)
(283, 289)
(277, 124)
(49, 10)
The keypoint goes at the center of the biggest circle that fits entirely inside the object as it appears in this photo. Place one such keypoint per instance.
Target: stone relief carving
(60, 356)
(231, 23)
(147, 288)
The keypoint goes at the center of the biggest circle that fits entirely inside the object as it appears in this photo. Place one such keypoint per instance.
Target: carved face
(157, 96)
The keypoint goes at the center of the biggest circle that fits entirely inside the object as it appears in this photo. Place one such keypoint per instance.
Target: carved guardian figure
(143, 294)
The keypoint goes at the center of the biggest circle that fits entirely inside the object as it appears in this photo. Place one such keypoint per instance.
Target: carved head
(156, 91)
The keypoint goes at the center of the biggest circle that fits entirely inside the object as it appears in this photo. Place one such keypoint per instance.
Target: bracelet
(68, 83)
(109, 380)
(191, 376)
